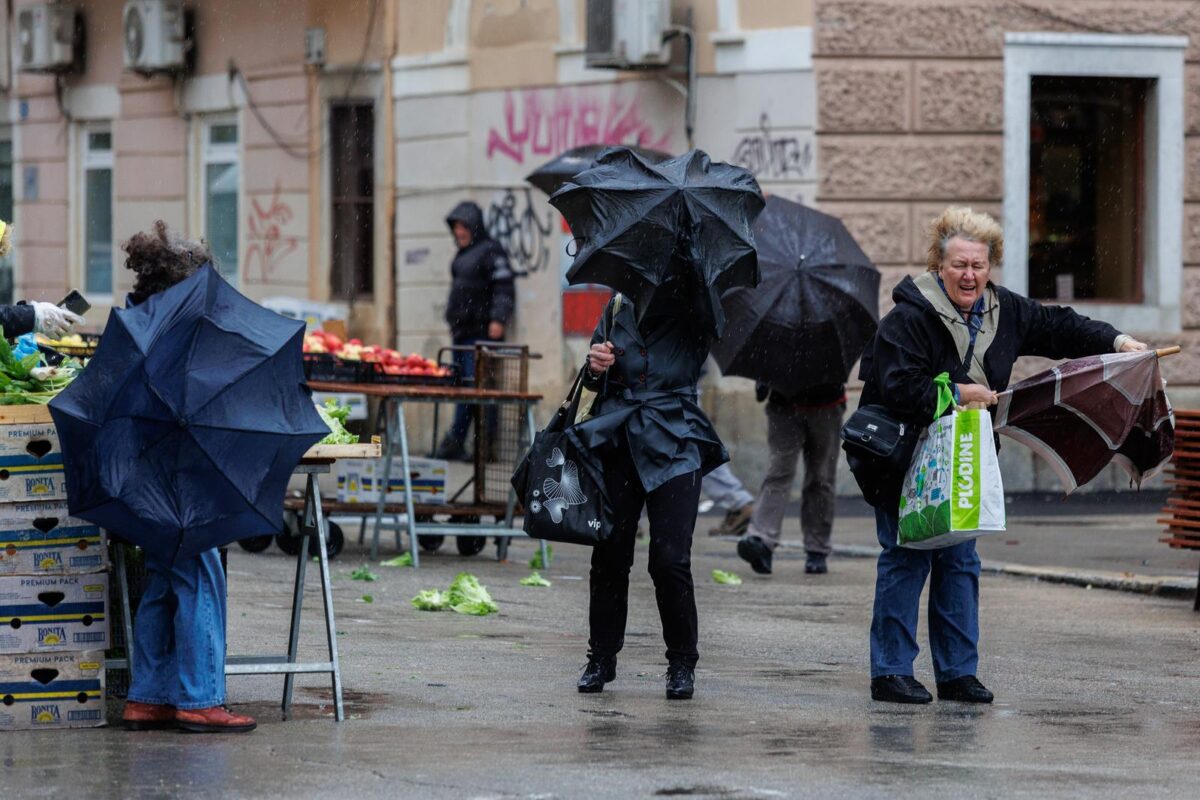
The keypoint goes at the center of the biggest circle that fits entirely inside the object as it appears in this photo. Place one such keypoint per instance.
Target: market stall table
(318, 460)
(394, 398)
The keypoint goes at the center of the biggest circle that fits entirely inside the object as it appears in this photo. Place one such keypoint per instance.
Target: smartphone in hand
(75, 302)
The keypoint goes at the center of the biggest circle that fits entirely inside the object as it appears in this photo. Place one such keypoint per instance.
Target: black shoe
(755, 552)
(966, 689)
(598, 671)
(815, 564)
(899, 689)
(681, 682)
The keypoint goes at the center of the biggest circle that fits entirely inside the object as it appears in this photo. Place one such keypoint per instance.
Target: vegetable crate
(501, 367)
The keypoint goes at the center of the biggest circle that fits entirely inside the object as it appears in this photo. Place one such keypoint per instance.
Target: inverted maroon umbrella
(1085, 413)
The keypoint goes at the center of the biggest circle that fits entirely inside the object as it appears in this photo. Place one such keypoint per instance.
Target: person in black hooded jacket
(951, 319)
(479, 307)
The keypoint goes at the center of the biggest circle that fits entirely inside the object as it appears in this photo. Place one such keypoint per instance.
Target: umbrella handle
(1168, 351)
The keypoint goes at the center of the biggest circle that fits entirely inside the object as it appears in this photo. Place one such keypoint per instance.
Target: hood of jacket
(471, 215)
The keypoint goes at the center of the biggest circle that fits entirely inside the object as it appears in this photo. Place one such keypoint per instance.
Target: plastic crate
(331, 369)
(373, 372)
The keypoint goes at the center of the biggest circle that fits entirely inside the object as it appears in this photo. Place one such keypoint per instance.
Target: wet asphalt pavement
(1098, 694)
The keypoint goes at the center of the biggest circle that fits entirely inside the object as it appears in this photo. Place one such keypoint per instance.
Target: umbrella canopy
(640, 223)
(815, 309)
(550, 177)
(185, 427)
(1085, 413)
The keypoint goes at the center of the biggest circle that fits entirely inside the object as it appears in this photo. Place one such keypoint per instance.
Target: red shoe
(147, 716)
(217, 719)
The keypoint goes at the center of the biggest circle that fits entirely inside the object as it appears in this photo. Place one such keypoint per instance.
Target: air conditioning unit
(47, 34)
(627, 34)
(155, 36)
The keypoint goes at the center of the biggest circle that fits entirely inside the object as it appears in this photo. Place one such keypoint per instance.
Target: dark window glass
(1086, 179)
(352, 153)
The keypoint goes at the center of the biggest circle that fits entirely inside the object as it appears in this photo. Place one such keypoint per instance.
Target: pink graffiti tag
(544, 123)
(265, 233)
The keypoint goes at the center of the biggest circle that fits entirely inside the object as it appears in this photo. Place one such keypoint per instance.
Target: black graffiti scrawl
(512, 220)
(774, 157)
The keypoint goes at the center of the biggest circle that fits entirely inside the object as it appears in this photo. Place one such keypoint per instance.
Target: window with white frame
(1093, 189)
(6, 212)
(219, 151)
(97, 210)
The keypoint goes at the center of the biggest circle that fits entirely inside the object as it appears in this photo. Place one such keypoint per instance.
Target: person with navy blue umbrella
(178, 664)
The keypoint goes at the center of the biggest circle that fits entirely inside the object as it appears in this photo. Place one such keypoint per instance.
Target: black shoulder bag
(560, 485)
(879, 447)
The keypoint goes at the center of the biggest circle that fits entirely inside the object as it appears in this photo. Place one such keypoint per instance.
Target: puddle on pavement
(358, 705)
(605, 712)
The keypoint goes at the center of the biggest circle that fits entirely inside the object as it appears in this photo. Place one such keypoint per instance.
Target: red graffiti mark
(265, 234)
(546, 122)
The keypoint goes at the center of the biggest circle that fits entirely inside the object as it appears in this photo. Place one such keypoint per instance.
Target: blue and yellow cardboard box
(53, 613)
(52, 690)
(31, 466)
(43, 539)
(360, 479)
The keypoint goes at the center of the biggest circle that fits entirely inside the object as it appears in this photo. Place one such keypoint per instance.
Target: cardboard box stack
(53, 586)
(360, 479)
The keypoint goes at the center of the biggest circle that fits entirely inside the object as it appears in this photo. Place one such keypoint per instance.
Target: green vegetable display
(727, 578)
(335, 417)
(468, 596)
(26, 380)
(429, 600)
(534, 580)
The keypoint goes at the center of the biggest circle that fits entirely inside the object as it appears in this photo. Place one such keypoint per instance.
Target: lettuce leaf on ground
(403, 560)
(536, 561)
(534, 580)
(429, 600)
(467, 595)
(727, 578)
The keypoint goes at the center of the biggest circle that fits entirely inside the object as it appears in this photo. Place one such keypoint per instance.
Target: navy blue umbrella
(183, 430)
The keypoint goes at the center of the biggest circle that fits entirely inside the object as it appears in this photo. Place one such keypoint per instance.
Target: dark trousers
(465, 361)
(671, 509)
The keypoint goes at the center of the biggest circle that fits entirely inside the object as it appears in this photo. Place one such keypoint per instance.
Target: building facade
(318, 144)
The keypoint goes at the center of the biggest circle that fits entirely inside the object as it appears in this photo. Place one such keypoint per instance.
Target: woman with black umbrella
(655, 444)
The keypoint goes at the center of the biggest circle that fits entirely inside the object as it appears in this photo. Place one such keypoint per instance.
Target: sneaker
(899, 689)
(217, 719)
(681, 682)
(736, 522)
(755, 552)
(966, 689)
(598, 671)
(814, 564)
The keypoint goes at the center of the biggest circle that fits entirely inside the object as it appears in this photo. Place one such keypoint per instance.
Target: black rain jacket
(647, 398)
(482, 280)
(16, 320)
(923, 337)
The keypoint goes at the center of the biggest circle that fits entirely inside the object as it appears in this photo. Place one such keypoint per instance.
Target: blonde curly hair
(965, 223)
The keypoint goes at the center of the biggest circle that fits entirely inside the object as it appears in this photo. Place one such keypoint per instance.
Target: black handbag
(879, 447)
(561, 485)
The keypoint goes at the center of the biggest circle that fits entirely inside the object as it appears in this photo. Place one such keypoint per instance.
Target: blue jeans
(953, 606)
(179, 634)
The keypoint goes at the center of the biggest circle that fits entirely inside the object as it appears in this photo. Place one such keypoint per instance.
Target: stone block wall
(910, 119)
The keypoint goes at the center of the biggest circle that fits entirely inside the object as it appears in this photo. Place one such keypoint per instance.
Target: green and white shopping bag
(952, 491)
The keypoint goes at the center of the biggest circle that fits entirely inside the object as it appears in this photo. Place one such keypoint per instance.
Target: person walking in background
(727, 493)
(808, 423)
(479, 308)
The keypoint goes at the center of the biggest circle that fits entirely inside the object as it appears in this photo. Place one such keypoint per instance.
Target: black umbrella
(640, 223)
(815, 310)
(550, 177)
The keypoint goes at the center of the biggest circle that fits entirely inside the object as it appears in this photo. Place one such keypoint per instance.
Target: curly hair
(161, 259)
(965, 223)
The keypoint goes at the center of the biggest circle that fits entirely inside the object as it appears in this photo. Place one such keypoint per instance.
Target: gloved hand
(53, 322)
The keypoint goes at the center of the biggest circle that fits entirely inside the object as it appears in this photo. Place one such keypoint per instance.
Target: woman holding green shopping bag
(953, 320)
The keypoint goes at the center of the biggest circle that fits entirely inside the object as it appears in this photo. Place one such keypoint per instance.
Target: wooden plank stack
(1181, 515)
